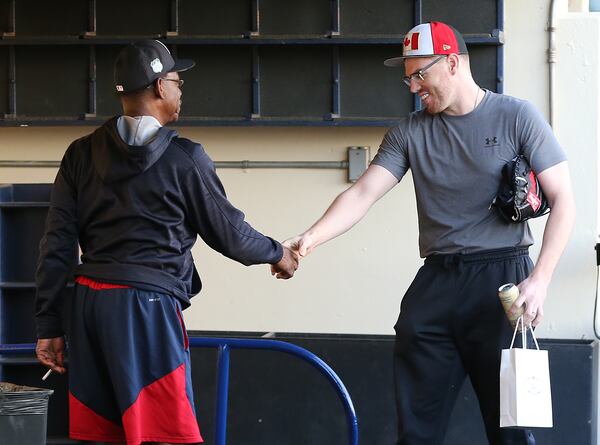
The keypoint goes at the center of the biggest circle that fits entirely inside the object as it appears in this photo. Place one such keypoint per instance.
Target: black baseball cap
(141, 63)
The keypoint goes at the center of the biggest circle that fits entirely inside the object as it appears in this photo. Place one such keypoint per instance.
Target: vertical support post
(418, 20)
(418, 12)
(91, 111)
(12, 84)
(335, 83)
(12, 20)
(255, 31)
(174, 31)
(500, 50)
(222, 394)
(91, 31)
(335, 18)
(256, 109)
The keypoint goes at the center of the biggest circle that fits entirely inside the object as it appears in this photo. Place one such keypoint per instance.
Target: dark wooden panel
(221, 82)
(4, 16)
(51, 81)
(368, 88)
(385, 17)
(108, 102)
(484, 66)
(20, 326)
(51, 18)
(296, 81)
(133, 17)
(308, 17)
(215, 17)
(21, 231)
(467, 16)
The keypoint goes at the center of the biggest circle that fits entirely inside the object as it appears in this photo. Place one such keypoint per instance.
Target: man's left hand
(50, 352)
(532, 294)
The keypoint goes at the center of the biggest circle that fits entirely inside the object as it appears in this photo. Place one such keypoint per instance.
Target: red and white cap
(430, 39)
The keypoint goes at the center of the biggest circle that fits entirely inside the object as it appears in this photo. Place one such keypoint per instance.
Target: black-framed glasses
(180, 82)
(419, 75)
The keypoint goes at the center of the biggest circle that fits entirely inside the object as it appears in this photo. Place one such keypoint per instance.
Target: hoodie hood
(115, 160)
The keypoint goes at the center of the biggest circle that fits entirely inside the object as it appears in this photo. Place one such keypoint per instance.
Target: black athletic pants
(451, 325)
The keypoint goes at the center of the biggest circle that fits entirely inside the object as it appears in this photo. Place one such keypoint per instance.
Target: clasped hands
(294, 249)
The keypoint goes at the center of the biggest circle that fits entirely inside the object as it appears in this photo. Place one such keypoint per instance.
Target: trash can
(23, 414)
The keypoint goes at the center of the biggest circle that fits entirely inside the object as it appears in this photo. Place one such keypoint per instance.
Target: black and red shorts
(129, 367)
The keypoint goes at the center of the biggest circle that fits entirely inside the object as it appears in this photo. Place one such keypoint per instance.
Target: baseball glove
(520, 195)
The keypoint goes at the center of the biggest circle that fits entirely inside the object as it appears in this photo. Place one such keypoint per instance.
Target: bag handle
(512, 342)
(523, 334)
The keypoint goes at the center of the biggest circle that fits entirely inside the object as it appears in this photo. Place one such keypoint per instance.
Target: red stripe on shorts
(163, 413)
(97, 285)
(85, 424)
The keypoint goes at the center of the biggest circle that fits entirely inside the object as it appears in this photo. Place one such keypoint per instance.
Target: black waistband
(478, 257)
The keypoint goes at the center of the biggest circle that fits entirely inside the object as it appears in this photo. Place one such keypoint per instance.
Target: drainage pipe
(552, 59)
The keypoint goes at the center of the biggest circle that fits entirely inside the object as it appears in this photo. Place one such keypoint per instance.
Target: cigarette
(47, 374)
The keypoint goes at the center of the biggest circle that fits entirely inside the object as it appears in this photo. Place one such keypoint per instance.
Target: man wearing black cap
(135, 196)
(451, 322)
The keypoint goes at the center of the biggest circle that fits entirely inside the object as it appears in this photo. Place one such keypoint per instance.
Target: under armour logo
(490, 142)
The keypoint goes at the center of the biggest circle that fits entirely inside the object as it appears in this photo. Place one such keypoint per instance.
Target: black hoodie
(136, 212)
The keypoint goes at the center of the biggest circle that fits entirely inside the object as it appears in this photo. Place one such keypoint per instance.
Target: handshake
(294, 249)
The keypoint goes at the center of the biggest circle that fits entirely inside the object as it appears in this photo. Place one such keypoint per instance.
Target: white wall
(354, 284)
(569, 307)
(578, 116)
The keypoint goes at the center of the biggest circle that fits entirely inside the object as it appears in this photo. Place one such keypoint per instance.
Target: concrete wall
(354, 284)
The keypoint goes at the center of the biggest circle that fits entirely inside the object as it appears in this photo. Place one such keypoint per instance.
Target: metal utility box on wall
(358, 161)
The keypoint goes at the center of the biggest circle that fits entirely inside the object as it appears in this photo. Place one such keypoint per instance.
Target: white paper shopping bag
(525, 396)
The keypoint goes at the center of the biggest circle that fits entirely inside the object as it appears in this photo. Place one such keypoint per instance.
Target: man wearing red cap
(451, 323)
(135, 196)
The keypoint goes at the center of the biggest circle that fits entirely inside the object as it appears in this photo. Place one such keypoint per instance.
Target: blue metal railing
(224, 346)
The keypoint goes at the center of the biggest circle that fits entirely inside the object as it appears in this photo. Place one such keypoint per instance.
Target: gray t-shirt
(456, 164)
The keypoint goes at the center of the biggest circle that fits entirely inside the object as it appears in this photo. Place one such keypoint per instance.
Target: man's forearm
(343, 213)
(347, 209)
(556, 235)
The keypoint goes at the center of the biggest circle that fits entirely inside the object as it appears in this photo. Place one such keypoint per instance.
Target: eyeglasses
(419, 75)
(179, 81)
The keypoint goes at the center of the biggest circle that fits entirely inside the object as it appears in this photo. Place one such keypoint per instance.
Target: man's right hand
(301, 244)
(50, 352)
(287, 265)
